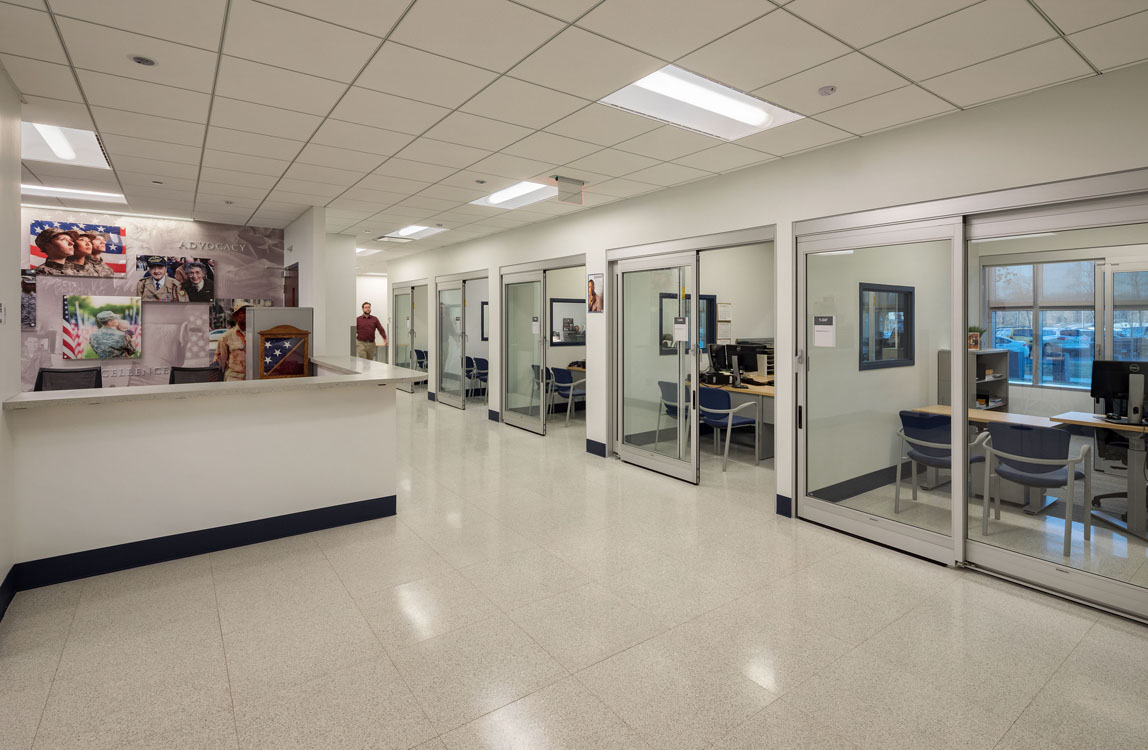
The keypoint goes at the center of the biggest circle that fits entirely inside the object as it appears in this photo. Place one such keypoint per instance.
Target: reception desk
(112, 478)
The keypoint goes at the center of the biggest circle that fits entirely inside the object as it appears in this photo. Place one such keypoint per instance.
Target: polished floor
(531, 596)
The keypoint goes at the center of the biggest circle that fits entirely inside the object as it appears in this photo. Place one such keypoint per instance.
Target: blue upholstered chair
(715, 408)
(541, 385)
(563, 384)
(421, 359)
(668, 406)
(482, 374)
(926, 440)
(1037, 457)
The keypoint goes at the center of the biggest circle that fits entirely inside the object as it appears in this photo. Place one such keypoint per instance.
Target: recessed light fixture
(682, 98)
(411, 233)
(827, 90)
(364, 251)
(517, 196)
(88, 195)
(54, 144)
(142, 60)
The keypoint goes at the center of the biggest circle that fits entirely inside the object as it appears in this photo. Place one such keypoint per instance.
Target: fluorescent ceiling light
(411, 233)
(690, 101)
(88, 195)
(517, 196)
(57, 145)
(366, 251)
(117, 213)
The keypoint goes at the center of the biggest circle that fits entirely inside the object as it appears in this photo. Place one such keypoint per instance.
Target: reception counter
(113, 478)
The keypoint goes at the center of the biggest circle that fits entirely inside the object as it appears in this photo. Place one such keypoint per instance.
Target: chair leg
(1069, 504)
(569, 406)
(916, 479)
(1088, 502)
(988, 499)
(900, 471)
(658, 431)
(725, 456)
(756, 439)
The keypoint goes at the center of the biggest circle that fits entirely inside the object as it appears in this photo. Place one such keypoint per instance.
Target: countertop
(352, 372)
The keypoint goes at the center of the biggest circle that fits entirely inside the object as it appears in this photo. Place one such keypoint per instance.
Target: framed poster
(285, 351)
(595, 293)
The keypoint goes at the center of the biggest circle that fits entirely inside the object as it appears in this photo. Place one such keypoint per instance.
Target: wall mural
(198, 264)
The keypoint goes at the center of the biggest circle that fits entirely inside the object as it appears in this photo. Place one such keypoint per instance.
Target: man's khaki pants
(365, 350)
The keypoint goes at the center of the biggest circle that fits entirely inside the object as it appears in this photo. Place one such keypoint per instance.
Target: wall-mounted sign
(824, 331)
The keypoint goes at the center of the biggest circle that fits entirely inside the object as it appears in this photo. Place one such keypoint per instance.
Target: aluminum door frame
(537, 426)
(687, 471)
(442, 396)
(396, 292)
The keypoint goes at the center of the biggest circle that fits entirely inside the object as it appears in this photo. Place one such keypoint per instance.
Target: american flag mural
(114, 253)
(73, 347)
(277, 359)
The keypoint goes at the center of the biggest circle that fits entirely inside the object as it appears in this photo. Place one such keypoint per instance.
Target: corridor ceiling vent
(690, 101)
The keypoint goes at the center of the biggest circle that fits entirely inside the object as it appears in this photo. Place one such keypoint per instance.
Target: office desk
(764, 395)
(575, 369)
(984, 416)
(1137, 523)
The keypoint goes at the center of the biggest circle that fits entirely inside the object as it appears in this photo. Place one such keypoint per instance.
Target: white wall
(1092, 126)
(303, 243)
(565, 283)
(744, 277)
(374, 289)
(477, 292)
(12, 238)
(339, 257)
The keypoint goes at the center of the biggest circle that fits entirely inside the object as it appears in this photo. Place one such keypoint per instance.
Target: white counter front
(150, 463)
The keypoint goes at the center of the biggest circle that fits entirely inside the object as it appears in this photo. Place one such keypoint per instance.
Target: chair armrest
(577, 383)
(1071, 460)
(921, 443)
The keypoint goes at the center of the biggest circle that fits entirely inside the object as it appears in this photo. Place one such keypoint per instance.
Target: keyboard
(751, 381)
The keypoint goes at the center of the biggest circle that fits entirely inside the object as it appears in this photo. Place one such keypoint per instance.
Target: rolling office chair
(482, 372)
(421, 359)
(468, 369)
(1037, 457)
(67, 379)
(929, 439)
(1111, 447)
(715, 408)
(563, 384)
(540, 386)
(668, 406)
(210, 374)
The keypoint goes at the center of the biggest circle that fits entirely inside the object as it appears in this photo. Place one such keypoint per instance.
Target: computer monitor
(1121, 386)
(719, 358)
(746, 357)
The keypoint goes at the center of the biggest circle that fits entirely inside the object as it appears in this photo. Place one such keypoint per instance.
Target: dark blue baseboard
(7, 591)
(493, 416)
(430, 395)
(785, 506)
(36, 573)
(593, 446)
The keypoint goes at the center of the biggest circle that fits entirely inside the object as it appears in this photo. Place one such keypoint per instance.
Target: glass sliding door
(525, 383)
(451, 345)
(402, 354)
(657, 369)
(878, 435)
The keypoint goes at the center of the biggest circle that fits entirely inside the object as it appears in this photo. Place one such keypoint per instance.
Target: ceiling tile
(589, 200)
(764, 51)
(152, 166)
(93, 47)
(148, 181)
(382, 197)
(613, 163)
(468, 179)
(199, 24)
(360, 137)
(207, 201)
(863, 22)
(148, 126)
(129, 146)
(375, 17)
(413, 170)
(258, 118)
(511, 100)
(401, 212)
(1116, 43)
(263, 84)
(244, 162)
(436, 204)
(442, 154)
(39, 78)
(992, 28)
(240, 142)
(603, 125)
(414, 74)
(855, 76)
(668, 142)
(350, 203)
(723, 158)
(552, 149)
(140, 96)
(29, 33)
(286, 196)
(793, 137)
(451, 193)
(392, 184)
(56, 112)
(339, 158)
(1043, 65)
(317, 173)
(479, 132)
(288, 40)
(240, 191)
(1073, 15)
(668, 174)
(232, 177)
(670, 28)
(386, 111)
(493, 34)
(585, 65)
(886, 110)
(35, 4)
(309, 187)
(505, 165)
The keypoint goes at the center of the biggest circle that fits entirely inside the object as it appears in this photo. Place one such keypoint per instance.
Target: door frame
(442, 396)
(397, 292)
(537, 426)
(409, 287)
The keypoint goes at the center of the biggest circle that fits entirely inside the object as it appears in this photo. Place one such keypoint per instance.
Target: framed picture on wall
(595, 293)
(567, 322)
(485, 320)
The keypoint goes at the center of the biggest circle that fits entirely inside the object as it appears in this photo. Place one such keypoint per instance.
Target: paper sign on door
(824, 331)
(681, 331)
(535, 326)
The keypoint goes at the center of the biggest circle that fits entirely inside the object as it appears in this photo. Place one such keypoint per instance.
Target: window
(1130, 315)
(707, 327)
(886, 334)
(1044, 315)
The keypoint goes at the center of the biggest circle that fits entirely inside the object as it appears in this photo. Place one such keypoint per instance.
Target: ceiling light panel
(687, 100)
(413, 232)
(50, 143)
(44, 191)
(517, 196)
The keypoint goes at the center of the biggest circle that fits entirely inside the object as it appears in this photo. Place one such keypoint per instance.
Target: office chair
(421, 359)
(180, 375)
(668, 406)
(929, 439)
(482, 372)
(715, 408)
(468, 373)
(563, 384)
(67, 379)
(539, 385)
(1111, 447)
(1037, 457)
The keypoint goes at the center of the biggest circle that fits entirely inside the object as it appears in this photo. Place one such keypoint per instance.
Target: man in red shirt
(365, 327)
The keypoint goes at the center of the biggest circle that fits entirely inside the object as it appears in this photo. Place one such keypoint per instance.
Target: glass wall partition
(402, 332)
(451, 345)
(524, 398)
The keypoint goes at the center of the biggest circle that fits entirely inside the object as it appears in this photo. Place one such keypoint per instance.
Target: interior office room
(372, 568)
